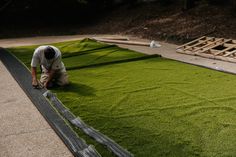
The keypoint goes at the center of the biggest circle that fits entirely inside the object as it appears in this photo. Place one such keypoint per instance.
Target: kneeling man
(52, 68)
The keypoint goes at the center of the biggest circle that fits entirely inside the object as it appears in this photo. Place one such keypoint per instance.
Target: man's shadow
(77, 88)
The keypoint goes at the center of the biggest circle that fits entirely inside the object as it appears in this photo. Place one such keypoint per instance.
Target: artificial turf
(150, 105)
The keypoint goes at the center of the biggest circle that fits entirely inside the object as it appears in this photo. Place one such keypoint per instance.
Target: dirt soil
(171, 24)
(149, 21)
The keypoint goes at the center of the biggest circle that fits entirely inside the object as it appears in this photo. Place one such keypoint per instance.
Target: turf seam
(77, 122)
(204, 66)
(21, 74)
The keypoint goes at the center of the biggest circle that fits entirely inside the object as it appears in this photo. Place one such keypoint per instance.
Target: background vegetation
(60, 7)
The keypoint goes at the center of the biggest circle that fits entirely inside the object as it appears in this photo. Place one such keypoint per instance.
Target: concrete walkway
(25, 133)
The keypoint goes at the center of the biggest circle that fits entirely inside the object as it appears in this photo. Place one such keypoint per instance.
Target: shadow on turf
(85, 52)
(113, 62)
(78, 88)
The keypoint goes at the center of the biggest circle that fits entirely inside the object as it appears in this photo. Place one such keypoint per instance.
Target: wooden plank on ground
(215, 46)
(222, 51)
(191, 42)
(213, 43)
(230, 53)
(199, 43)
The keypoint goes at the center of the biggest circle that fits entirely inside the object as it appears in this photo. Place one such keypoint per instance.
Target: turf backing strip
(99, 137)
(22, 75)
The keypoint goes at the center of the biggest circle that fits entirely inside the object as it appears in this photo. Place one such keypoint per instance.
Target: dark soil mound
(168, 23)
(148, 20)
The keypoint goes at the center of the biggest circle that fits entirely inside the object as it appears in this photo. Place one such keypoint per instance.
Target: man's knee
(63, 83)
(63, 80)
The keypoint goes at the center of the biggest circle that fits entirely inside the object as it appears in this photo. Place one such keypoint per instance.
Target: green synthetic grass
(151, 106)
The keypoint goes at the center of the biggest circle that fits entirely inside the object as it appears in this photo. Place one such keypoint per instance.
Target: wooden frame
(210, 47)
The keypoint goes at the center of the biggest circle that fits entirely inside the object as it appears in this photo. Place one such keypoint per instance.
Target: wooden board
(210, 47)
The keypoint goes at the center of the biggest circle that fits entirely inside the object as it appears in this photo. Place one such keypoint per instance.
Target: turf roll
(76, 121)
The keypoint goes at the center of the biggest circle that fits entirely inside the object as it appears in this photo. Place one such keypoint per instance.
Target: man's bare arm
(34, 76)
